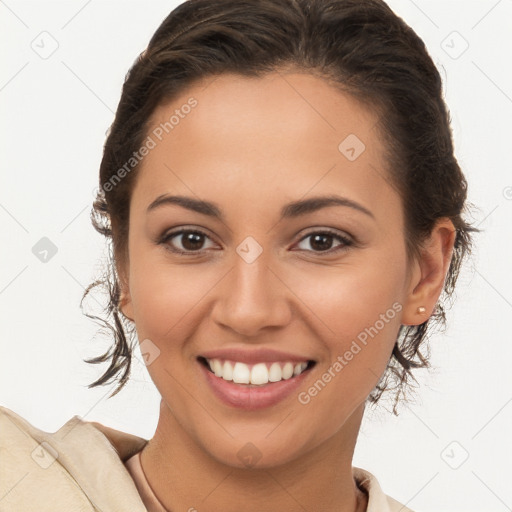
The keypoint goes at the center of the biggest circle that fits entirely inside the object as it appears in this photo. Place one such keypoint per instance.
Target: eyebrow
(291, 210)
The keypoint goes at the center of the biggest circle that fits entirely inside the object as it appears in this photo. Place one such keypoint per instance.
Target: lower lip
(244, 396)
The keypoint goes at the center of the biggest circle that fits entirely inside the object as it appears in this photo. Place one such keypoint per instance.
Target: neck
(185, 477)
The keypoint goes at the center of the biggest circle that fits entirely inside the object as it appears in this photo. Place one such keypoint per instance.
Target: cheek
(168, 299)
(357, 319)
(355, 311)
(345, 300)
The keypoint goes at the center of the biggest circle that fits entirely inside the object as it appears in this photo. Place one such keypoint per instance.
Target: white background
(55, 113)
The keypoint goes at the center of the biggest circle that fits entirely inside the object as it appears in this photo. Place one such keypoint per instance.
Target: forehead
(282, 134)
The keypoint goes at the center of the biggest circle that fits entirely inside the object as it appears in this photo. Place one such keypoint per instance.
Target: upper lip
(259, 355)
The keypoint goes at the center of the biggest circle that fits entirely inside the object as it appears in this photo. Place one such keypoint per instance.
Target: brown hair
(363, 48)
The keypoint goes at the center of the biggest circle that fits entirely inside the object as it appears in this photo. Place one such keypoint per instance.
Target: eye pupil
(319, 242)
(192, 241)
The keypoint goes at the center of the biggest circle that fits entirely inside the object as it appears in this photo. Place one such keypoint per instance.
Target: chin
(258, 451)
(254, 456)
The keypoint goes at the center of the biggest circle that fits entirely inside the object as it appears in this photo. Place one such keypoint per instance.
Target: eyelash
(346, 242)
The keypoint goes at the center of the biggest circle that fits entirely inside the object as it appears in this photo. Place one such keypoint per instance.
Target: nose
(252, 299)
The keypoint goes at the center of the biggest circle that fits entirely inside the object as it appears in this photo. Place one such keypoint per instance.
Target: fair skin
(251, 146)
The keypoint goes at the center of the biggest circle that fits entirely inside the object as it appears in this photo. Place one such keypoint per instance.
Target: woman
(285, 212)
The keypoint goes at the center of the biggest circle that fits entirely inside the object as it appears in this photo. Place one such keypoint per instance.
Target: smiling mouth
(259, 374)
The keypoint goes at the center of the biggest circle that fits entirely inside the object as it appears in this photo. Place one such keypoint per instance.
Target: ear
(428, 274)
(125, 299)
(125, 305)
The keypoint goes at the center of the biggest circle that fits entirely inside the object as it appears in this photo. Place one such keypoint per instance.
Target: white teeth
(275, 373)
(241, 373)
(216, 367)
(259, 374)
(288, 371)
(227, 371)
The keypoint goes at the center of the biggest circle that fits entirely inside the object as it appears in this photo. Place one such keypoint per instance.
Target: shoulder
(67, 469)
(377, 500)
(28, 472)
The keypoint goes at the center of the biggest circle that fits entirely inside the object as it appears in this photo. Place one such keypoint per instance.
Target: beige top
(88, 467)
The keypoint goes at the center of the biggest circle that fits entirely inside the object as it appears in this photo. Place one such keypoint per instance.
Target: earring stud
(421, 310)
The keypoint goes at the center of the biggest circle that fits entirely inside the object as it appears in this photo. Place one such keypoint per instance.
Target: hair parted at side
(361, 47)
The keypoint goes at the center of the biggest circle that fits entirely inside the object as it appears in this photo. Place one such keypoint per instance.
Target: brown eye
(185, 241)
(323, 241)
(192, 241)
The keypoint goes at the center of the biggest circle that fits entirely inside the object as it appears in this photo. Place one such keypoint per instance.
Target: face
(265, 238)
